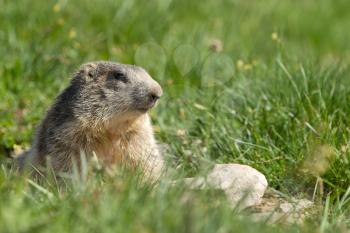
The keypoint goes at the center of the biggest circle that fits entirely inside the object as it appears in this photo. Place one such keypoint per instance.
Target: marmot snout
(103, 110)
(121, 88)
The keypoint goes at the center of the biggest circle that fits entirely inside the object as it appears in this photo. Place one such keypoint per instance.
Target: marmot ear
(88, 70)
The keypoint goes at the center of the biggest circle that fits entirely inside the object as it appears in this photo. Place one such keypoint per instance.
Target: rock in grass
(279, 208)
(244, 186)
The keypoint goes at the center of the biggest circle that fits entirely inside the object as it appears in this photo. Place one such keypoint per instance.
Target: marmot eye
(117, 75)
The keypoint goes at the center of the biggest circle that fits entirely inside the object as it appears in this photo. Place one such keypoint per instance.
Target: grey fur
(103, 110)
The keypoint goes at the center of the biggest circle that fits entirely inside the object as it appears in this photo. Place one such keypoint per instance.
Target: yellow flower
(240, 64)
(72, 33)
(181, 132)
(274, 36)
(56, 8)
(17, 149)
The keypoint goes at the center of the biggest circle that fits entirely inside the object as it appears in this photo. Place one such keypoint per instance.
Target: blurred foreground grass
(264, 83)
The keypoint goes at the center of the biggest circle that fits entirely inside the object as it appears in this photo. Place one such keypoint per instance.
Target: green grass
(276, 98)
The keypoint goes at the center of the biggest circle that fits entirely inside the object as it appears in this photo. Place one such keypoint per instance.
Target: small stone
(276, 207)
(243, 185)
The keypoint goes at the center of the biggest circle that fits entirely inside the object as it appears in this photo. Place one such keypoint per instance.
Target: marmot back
(103, 110)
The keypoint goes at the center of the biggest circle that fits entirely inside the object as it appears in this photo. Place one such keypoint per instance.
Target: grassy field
(262, 83)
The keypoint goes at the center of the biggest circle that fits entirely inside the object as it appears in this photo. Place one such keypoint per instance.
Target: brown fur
(103, 110)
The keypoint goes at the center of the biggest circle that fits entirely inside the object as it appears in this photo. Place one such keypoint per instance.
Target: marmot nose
(155, 94)
(154, 97)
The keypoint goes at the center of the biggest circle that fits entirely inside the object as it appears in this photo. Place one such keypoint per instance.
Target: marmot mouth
(143, 109)
(148, 107)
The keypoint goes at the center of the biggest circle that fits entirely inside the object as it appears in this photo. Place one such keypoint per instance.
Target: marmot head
(110, 89)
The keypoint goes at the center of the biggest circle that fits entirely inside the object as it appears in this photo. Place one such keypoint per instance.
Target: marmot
(103, 110)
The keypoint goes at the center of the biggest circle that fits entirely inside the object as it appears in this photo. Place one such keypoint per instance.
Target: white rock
(244, 186)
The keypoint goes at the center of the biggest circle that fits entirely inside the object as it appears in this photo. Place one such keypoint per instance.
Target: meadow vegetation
(262, 83)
